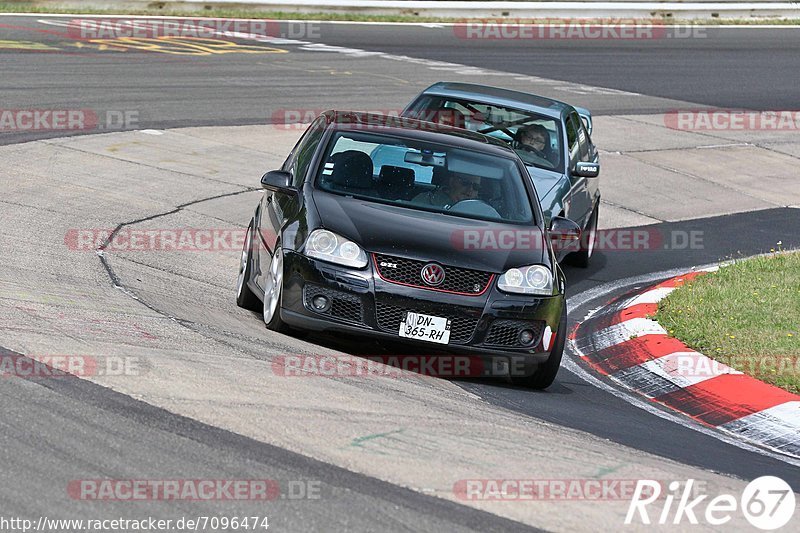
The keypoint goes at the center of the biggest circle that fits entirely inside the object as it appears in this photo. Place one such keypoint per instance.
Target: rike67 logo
(767, 503)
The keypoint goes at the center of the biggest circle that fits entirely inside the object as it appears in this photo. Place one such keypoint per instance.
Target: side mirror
(278, 181)
(587, 170)
(563, 231)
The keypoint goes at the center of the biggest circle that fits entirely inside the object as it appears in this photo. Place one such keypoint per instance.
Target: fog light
(525, 336)
(320, 303)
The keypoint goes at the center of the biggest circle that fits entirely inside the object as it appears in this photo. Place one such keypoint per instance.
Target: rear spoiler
(586, 117)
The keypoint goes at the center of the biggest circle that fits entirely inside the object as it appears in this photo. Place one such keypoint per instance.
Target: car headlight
(327, 246)
(534, 279)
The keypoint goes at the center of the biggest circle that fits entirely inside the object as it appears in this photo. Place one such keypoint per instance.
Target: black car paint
(286, 218)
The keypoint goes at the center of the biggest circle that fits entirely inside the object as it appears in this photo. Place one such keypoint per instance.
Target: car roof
(499, 96)
(416, 129)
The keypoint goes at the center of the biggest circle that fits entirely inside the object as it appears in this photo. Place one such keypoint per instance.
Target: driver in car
(457, 187)
(535, 139)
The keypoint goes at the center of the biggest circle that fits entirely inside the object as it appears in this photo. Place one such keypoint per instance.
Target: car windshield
(425, 176)
(535, 138)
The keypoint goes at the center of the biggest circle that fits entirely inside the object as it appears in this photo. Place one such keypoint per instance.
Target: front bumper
(364, 304)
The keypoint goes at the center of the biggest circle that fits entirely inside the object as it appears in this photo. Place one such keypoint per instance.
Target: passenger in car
(451, 117)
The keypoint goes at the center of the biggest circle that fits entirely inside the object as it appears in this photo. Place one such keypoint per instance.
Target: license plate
(425, 328)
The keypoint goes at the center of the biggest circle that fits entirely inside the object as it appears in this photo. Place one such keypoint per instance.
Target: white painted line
(652, 296)
(777, 427)
(645, 405)
(431, 25)
(712, 146)
(687, 368)
(151, 132)
(625, 394)
(643, 381)
(625, 331)
(633, 283)
(445, 66)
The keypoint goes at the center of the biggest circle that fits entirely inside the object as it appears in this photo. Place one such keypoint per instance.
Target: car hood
(426, 236)
(544, 180)
(548, 187)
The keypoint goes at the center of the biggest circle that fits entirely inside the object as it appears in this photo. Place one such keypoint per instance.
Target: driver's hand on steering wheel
(533, 150)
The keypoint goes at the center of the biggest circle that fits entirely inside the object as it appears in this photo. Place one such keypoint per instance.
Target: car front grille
(389, 318)
(407, 272)
(506, 333)
(344, 305)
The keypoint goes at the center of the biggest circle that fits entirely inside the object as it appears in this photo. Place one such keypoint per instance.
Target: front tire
(582, 257)
(273, 291)
(244, 296)
(545, 373)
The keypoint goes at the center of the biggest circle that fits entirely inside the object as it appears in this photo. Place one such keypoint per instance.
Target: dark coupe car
(564, 167)
(379, 227)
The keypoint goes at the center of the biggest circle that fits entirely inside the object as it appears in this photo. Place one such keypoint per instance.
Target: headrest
(395, 182)
(352, 170)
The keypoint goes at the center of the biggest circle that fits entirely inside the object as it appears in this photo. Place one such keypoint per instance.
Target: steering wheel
(534, 151)
(516, 145)
(474, 206)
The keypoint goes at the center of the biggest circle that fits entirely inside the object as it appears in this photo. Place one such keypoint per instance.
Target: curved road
(162, 89)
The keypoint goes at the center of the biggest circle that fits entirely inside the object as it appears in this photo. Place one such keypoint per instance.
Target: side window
(304, 151)
(421, 109)
(583, 140)
(591, 149)
(572, 140)
(287, 165)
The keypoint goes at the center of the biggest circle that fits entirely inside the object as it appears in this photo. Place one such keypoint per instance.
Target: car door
(578, 203)
(276, 207)
(592, 184)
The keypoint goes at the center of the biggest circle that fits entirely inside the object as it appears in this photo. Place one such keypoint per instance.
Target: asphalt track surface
(736, 68)
(754, 69)
(574, 403)
(53, 430)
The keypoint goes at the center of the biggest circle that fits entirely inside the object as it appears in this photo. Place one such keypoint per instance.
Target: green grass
(746, 315)
(254, 13)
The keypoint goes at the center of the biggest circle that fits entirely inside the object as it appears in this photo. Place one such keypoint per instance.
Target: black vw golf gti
(399, 229)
